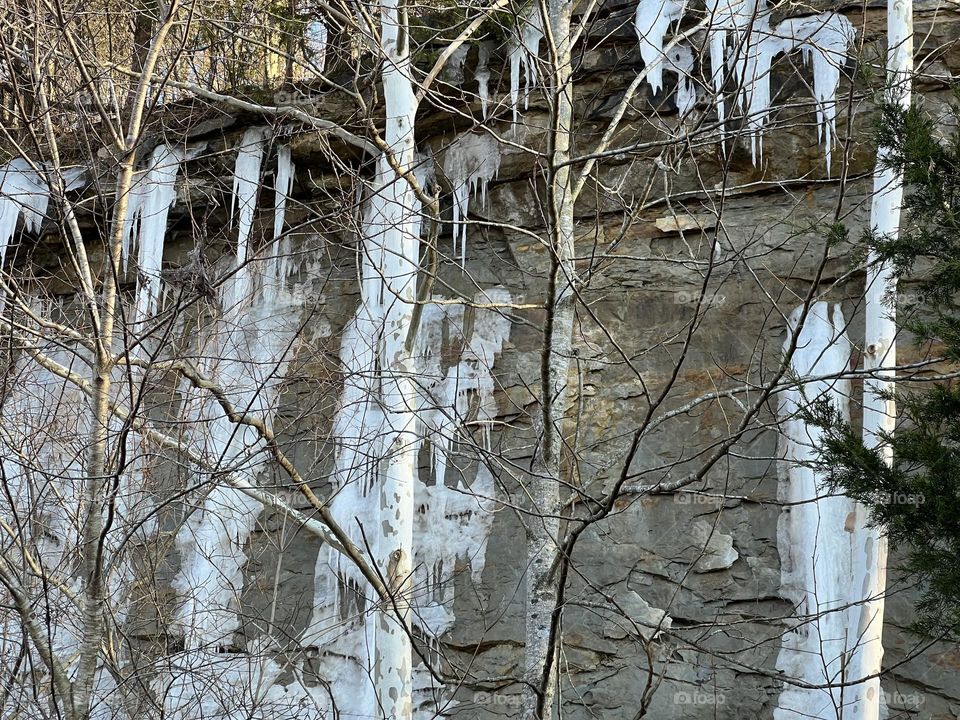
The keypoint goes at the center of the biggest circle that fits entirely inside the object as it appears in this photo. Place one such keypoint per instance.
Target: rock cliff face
(688, 590)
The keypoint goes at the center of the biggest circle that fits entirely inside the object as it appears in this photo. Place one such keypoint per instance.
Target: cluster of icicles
(743, 40)
(470, 163)
(25, 194)
(454, 513)
(743, 43)
(244, 349)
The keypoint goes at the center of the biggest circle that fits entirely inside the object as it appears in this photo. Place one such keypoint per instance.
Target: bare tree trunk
(870, 560)
(98, 463)
(544, 524)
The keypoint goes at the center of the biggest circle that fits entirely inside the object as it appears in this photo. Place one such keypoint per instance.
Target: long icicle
(154, 194)
(880, 356)
(812, 537)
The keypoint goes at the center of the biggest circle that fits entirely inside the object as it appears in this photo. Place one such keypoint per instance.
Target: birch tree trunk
(398, 217)
(100, 468)
(870, 559)
(544, 526)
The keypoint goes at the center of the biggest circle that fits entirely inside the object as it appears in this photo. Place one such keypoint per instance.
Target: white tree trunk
(870, 559)
(544, 526)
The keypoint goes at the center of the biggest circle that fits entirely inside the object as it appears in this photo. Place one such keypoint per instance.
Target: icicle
(130, 221)
(470, 163)
(24, 194)
(651, 21)
(829, 46)
(680, 61)
(717, 39)
(524, 53)
(283, 187)
(726, 16)
(277, 256)
(426, 175)
(824, 39)
(532, 35)
(154, 194)
(812, 537)
(755, 48)
(316, 44)
(754, 67)
(246, 183)
(483, 78)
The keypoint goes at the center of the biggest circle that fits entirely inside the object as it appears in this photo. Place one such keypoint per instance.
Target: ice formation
(742, 40)
(752, 64)
(210, 580)
(375, 428)
(23, 194)
(470, 163)
(245, 352)
(523, 55)
(652, 19)
(283, 186)
(453, 70)
(829, 40)
(151, 195)
(276, 264)
(823, 41)
(46, 422)
(43, 442)
(812, 537)
(392, 240)
(482, 76)
(680, 60)
(373, 436)
(726, 17)
(453, 514)
(246, 184)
